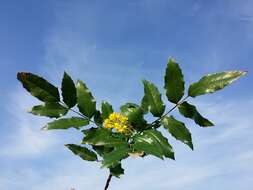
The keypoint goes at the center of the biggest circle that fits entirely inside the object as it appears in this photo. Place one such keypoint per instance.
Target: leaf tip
(19, 74)
(45, 128)
(78, 82)
(191, 146)
(143, 81)
(244, 72)
(171, 59)
(209, 124)
(29, 110)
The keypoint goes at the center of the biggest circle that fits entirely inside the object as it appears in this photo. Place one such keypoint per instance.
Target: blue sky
(112, 46)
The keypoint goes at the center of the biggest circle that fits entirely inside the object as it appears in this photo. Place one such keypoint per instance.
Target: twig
(169, 110)
(80, 114)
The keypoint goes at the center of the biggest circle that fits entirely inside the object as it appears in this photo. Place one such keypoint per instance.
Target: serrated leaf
(117, 170)
(153, 142)
(213, 82)
(178, 130)
(39, 87)
(174, 82)
(152, 100)
(85, 101)
(102, 137)
(135, 115)
(190, 111)
(83, 152)
(114, 157)
(66, 123)
(49, 109)
(106, 109)
(68, 91)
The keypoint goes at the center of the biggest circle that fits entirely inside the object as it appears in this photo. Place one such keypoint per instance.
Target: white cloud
(25, 138)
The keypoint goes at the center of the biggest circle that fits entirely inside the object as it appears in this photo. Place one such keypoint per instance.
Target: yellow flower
(119, 123)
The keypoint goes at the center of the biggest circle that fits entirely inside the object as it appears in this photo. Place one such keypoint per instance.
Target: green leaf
(102, 150)
(113, 158)
(85, 101)
(117, 170)
(106, 109)
(213, 82)
(39, 87)
(174, 82)
(49, 109)
(83, 152)
(153, 142)
(102, 137)
(98, 118)
(66, 123)
(178, 130)
(190, 111)
(152, 100)
(135, 115)
(68, 91)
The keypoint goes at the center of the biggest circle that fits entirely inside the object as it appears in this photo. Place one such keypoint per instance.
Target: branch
(108, 181)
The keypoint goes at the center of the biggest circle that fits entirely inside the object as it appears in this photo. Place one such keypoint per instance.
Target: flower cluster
(118, 122)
